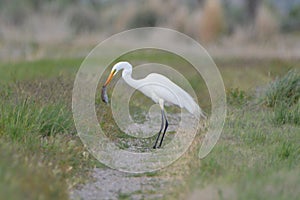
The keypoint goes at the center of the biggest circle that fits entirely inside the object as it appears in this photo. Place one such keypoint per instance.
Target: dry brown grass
(49, 33)
(179, 21)
(212, 23)
(266, 24)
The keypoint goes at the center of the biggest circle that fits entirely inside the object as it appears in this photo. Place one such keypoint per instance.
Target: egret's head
(116, 68)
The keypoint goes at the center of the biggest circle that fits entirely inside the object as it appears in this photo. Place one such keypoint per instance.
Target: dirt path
(113, 184)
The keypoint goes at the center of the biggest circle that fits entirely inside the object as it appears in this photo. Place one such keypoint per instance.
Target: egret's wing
(164, 88)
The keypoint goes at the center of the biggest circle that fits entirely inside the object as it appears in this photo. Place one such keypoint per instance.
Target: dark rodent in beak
(104, 96)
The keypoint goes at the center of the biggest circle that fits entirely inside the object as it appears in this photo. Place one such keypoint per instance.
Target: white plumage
(160, 89)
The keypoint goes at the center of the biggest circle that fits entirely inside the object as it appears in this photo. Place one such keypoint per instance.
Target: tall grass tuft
(284, 90)
(27, 121)
(283, 113)
(283, 95)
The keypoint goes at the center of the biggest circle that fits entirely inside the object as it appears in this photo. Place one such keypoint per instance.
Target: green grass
(283, 96)
(29, 70)
(25, 120)
(237, 97)
(253, 157)
(48, 171)
(257, 155)
(283, 113)
(281, 184)
(41, 156)
(285, 89)
(25, 176)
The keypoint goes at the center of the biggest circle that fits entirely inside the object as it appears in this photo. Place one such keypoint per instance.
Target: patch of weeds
(237, 97)
(283, 114)
(5, 91)
(27, 121)
(255, 137)
(152, 174)
(52, 90)
(244, 127)
(123, 196)
(123, 144)
(283, 95)
(287, 150)
(210, 167)
(45, 132)
(285, 89)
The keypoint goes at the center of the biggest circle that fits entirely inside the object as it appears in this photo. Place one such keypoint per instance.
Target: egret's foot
(156, 147)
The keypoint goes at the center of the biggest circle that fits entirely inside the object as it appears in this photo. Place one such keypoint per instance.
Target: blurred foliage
(292, 20)
(92, 15)
(14, 11)
(83, 19)
(212, 21)
(144, 18)
(25, 177)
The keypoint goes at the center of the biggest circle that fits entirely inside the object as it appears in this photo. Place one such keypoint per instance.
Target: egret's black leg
(161, 127)
(166, 126)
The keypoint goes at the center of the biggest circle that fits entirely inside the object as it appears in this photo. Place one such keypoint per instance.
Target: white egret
(160, 89)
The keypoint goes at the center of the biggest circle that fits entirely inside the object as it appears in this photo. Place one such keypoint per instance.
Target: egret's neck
(126, 75)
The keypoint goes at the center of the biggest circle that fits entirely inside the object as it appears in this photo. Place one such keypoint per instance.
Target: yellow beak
(109, 78)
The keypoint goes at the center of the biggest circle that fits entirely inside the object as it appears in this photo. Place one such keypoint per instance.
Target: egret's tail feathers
(199, 113)
(195, 110)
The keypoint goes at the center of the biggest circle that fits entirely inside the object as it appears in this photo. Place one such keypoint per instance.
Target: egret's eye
(114, 72)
